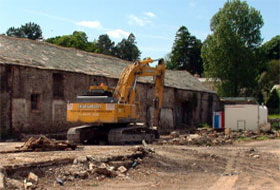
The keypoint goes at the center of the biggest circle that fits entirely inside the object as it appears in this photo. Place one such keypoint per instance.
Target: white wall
(241, 117)
(263, 115)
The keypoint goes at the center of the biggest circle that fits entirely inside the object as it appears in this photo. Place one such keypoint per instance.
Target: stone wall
(37, 107)
(5, 111)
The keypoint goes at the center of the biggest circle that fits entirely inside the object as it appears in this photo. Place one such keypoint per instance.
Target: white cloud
(118, 33)
(134, 20)
(90, 24)
(150, 14)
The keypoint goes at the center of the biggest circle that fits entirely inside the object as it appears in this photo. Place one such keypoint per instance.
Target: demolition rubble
(43, 143)
(212, 137)
(82, 167)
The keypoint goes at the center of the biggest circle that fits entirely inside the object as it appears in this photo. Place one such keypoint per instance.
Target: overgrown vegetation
(274, 116)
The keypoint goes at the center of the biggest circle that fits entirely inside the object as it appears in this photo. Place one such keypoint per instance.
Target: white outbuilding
(244, 114)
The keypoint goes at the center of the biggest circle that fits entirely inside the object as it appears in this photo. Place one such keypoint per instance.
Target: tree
(185, 53)
(29, 30)
(272, 48)
(104, 45)
(231, 53)
(127, 49)
(270, 74)
(15, 32)
(270, 77)
(78, 40)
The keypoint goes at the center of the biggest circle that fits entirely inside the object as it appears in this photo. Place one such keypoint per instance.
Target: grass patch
(244, 139)
(262, 138)
(274, 116)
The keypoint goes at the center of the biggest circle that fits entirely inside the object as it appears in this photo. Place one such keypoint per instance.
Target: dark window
(35, 101)
(58, 86)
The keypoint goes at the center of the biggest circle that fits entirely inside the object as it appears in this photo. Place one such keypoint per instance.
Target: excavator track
(131, 135)
(110, 134)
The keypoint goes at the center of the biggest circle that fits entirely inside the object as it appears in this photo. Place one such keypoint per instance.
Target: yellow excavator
(111, 116)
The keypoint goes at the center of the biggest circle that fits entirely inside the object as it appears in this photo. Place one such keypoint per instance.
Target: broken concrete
(33, 178)
(122, 169)
(106, 170)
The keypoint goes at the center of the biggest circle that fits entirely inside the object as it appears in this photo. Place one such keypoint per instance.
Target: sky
(153, 22)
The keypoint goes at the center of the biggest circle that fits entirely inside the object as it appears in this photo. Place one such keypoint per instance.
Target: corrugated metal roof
(48, 56)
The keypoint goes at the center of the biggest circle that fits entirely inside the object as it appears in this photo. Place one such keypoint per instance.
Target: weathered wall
(181, 108)
(5, 90)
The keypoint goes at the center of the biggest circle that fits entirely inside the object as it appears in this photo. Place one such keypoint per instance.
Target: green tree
(29, 30)
(231, 53)
(78, 40)
(270, 76)
(272, 48)
(104, 45)
(127, 49)
(186, 52)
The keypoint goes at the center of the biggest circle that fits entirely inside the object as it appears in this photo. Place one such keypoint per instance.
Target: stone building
(38, 79)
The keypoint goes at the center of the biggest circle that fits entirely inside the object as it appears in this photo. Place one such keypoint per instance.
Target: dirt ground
(253, 165)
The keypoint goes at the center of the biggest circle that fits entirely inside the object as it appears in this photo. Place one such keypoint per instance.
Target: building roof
(239, 100)
(43, 55)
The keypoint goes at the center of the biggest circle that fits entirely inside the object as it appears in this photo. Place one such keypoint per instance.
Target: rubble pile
(43, 143)
(84, 167)
(211, 137)
(100, 167)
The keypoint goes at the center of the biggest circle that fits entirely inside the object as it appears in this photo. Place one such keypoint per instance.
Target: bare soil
(254, 165)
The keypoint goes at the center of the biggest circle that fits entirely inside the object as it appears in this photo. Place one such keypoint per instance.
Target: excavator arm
(125, 90)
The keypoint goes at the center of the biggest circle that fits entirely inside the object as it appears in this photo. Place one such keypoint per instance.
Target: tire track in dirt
(227, 181)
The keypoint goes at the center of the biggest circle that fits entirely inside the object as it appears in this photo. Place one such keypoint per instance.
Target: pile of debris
(83, 167)
(101, 167)
(212, 137)
(43, 143)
